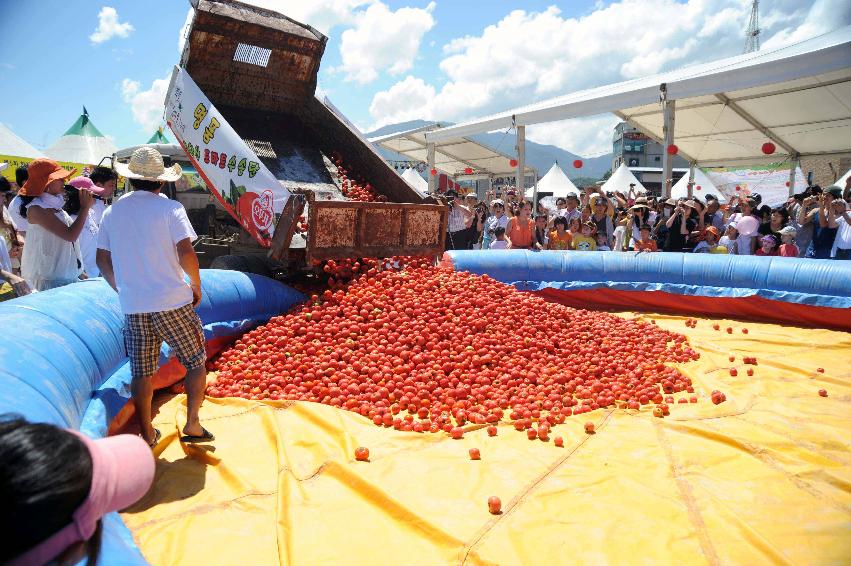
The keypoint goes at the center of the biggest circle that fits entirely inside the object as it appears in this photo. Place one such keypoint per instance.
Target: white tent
(680, 189)
(416, 181)
(555, 182)
(620, 180)
(82, 143)
(13, 146)
(797, 96)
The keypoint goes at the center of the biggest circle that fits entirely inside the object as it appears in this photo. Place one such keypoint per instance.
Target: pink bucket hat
(86, 183)
(122, 471)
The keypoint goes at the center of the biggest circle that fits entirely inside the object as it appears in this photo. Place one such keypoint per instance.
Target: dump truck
(259, 68)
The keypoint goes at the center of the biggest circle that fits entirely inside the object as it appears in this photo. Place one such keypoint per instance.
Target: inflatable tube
(804, 292)
(62, 358)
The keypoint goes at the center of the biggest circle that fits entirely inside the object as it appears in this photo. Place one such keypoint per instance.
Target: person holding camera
(477, 224)
(679, 225)
(457, 222)
(497, 219)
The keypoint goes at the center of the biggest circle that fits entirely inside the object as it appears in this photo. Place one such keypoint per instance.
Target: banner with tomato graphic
(231, 169)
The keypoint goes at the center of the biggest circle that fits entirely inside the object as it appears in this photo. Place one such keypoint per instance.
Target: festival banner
(15, 162)
(230, 169)
(770, 181)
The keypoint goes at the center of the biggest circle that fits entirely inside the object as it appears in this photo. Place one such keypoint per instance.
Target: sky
(386, 61)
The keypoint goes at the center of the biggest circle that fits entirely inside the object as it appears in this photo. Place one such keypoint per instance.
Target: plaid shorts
(144, 334)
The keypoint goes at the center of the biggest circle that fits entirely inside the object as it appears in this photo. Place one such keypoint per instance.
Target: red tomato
(558, 441)
(820, 370)
(589, 428)
(531, 434)
(750, 371)
(457, 433)
(494, 505)
(658, 412)
(729, 330)
(362, 454)
(734, 372)
(475, 454)
(822, 392)
(492, 430)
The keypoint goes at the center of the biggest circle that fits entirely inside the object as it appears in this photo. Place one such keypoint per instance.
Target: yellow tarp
(762, 478)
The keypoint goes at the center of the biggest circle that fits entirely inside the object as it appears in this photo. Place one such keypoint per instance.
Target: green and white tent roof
(82, 143)
(159, 137)
(14, 146)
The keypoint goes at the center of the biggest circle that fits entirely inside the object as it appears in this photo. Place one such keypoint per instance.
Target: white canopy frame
(454, 156)
(797, 97)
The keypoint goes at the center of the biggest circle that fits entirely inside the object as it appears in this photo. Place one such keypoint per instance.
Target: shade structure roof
(620, 180)
(452, 155)
(556, 183)
(415, 180)
(14, 146)
(798, 97)
(680, 188)
(82, 143)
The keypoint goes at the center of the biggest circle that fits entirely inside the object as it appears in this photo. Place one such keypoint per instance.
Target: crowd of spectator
(813, 224)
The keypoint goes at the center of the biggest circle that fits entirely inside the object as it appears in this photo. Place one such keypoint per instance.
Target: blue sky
(405, 59)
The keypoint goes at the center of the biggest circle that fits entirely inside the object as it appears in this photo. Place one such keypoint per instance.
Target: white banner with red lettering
(231, 170)
(771, 181)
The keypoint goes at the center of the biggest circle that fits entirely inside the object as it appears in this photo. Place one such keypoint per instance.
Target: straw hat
(146, 164)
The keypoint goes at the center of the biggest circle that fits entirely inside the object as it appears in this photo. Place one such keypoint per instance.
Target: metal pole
(535, 194)
(432, 179)
(792, 172)
(668, 110)
(691, 179)
(521, 161)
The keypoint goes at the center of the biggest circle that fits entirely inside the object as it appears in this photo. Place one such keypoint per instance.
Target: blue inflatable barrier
(805, 291)
(62, 358)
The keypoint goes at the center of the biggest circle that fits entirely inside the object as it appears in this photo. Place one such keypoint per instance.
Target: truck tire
(245, 263)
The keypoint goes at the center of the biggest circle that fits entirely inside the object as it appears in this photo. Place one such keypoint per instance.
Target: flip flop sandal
(157, 436)
(206, 436)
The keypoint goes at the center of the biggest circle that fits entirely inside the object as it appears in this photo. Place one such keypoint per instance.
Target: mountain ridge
(540, 156)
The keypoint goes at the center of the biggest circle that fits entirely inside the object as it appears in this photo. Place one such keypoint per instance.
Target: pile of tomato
(429, 349)
(355, 188)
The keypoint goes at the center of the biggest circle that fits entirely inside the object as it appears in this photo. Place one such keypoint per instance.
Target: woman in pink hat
(88, 240)
(55, 486)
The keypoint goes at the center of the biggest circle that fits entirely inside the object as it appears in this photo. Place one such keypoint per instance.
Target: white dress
(88, 246)
(49, 261)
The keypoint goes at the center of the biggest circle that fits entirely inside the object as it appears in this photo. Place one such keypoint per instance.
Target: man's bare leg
(143, 394)
(195, 385)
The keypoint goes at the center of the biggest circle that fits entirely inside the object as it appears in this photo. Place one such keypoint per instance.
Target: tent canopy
(13, 146)
(798, 97)
(82, 143)
(159, 137)
(620, 180)
(451, 155)
(416, 181)
(555, 182)
(680, 189)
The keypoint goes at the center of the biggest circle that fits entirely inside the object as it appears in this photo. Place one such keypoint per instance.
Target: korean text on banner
(231, 170)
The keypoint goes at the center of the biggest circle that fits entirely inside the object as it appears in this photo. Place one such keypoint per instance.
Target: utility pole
(752, 34)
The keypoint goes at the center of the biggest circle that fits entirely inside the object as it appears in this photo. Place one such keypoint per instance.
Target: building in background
(642, 155)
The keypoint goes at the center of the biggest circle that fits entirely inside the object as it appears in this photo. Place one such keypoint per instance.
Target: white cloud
(382, 39)
(109, 26)
(184, 30)
(148, 105)
(532, 56)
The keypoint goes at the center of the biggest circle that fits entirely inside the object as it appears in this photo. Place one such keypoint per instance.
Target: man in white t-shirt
(144, 249)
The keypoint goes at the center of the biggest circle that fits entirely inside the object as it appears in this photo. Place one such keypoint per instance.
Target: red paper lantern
(738, 188)
(698, 188)
(468, 170)
(672, 149)
(787, 183)
(577, 163)
(513, 163)
(768, 148)
(434, 171)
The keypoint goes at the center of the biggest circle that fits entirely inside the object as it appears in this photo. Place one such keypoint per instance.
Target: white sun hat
(146, 164)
